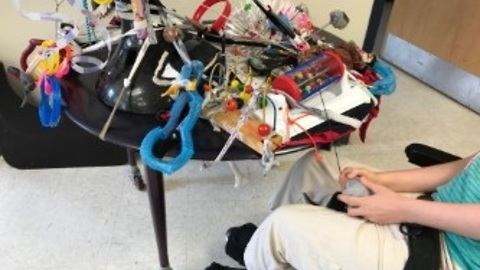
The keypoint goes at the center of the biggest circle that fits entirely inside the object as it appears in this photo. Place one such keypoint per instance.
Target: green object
(241, 85)
(247, 7)
(261, 101)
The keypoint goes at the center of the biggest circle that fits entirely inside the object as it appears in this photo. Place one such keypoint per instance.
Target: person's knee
(277, 220)
(269, 238)
(286, 212)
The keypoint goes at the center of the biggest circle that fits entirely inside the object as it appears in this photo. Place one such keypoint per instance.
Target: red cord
(291, 122)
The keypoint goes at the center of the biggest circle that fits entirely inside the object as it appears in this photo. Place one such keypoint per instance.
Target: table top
(85, 108)
(128, 129)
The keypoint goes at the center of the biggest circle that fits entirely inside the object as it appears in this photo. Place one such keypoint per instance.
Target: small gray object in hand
(355, 188)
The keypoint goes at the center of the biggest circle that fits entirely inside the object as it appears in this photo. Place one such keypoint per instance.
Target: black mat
(25, 144)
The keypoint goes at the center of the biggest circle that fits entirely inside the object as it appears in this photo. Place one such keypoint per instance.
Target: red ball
(248, 89)
(231, 104)
(264, 130)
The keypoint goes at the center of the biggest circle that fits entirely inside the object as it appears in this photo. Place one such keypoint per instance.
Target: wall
(357, 10)
(18, 30)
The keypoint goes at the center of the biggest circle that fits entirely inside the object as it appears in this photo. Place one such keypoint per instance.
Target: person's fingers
(350, 200)
(349, 172)
(345, 171)
(350, 169)
(344, 176)
(355, 212)
(352, 173)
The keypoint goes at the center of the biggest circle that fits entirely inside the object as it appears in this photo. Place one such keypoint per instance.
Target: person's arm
(385, 206)
(424, 179)
(462, 219)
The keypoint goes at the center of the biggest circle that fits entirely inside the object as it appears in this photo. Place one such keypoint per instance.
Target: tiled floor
(93, 218)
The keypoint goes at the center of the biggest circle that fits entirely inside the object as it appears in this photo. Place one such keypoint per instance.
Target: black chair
(423, 155)
(26, 144)
(424, 244)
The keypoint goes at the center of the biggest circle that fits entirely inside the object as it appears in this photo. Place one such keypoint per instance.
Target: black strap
(424, 250)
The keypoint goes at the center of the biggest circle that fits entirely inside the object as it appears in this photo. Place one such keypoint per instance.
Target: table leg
(156, 196)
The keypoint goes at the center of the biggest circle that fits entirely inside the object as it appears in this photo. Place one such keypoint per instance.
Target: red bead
(231, 104)
(248, 89)
(264, 130)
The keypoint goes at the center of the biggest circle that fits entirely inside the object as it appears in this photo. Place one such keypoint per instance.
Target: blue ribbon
(50, 107)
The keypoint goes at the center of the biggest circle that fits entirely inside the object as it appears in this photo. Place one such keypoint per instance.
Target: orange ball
(231, 104)
(264, 130)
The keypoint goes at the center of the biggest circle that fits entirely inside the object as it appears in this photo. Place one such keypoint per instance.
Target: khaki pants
(308, 237)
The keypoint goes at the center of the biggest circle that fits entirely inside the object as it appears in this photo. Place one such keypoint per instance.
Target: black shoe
(237, 240)
(217, 266)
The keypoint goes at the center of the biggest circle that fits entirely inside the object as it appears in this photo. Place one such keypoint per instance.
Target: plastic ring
(221, 21)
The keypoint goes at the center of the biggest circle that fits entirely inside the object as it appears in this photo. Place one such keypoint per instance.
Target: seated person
(304, 233)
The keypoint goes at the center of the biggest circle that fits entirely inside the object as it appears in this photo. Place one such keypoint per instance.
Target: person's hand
(352, 172)
(384, 206)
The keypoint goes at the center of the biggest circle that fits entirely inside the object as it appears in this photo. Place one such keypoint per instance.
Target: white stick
(126, 84)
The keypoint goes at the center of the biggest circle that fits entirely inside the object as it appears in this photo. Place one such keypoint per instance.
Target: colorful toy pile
(261, 71)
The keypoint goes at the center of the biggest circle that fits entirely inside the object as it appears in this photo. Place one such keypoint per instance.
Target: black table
(26, 144)
(128, 129)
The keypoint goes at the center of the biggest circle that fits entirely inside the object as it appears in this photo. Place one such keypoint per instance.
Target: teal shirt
(463, 188)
